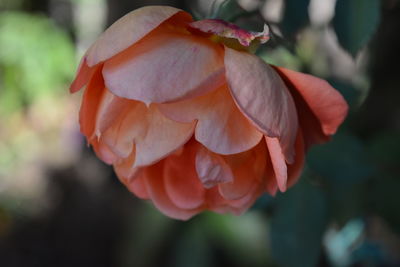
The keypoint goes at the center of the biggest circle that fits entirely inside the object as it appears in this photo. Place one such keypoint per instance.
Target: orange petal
(278, 162)
(133, 180)
(153, 135)
(165, 66)
(138, 187)
(211, 168)
(155, 186)
(83, 76)
(110, 108)
(130, 29)
(181, 182)
(325, 102)
(262, 96)
(103, 152)
(90, 103)
(221, 127)
(248, 171)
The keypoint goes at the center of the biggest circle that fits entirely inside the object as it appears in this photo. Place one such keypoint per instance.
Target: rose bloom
(192, 120)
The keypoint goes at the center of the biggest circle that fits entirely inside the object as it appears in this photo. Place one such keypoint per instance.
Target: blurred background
(61, 206)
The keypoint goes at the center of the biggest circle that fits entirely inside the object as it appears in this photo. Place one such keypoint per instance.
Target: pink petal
(181, 182)
(229, 30)
(153, 135)
(83, 76)
(262, 96)
(211, 168)
(130, 29)
(248, 171)
(221, 127)
(155, 186)
(278, 162)
(325, 102)
(165, 66)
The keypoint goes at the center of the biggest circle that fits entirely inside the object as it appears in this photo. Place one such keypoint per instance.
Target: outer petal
(165, 66)
(221, 127)
(153, 135)
(90, 103)
(325, 102)
(130, 29)
(285, 175)
(278, 162)
(83, 75)
(262, 96)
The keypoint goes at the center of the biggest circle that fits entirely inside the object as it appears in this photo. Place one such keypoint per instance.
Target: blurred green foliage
(35, 59)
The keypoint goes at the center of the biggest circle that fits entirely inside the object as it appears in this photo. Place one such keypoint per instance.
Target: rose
(191, 119)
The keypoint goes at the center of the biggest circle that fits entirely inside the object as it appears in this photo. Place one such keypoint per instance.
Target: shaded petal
(325, 102)
(295, 169)
(130, 29)
(262, 96)
(278, 162)
(138, 187)
(103, 152)
(181, 182)
(153, 135)
(155, 187)
(248, 171)
(221, 127)
(83, 75)
(134, 180)
(211, 168)
(166, 67)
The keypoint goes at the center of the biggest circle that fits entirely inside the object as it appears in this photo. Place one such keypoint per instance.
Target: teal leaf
(297, 225)
(344, 159)
(295, 17)
(228, 10)
(355, 22)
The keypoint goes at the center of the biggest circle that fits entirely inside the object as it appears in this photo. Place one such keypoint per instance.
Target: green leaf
(36, 59)
(295, 17)
(355, 21)
(297, 225)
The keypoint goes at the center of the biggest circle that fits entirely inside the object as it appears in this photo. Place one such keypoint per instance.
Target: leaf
(295, 17)
(344, 159)
(297, 225)
(355, 21)
(228, 10)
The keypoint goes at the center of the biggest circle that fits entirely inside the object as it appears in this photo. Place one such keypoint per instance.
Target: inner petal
(221, 127)
(153, 135)
(211, 168)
